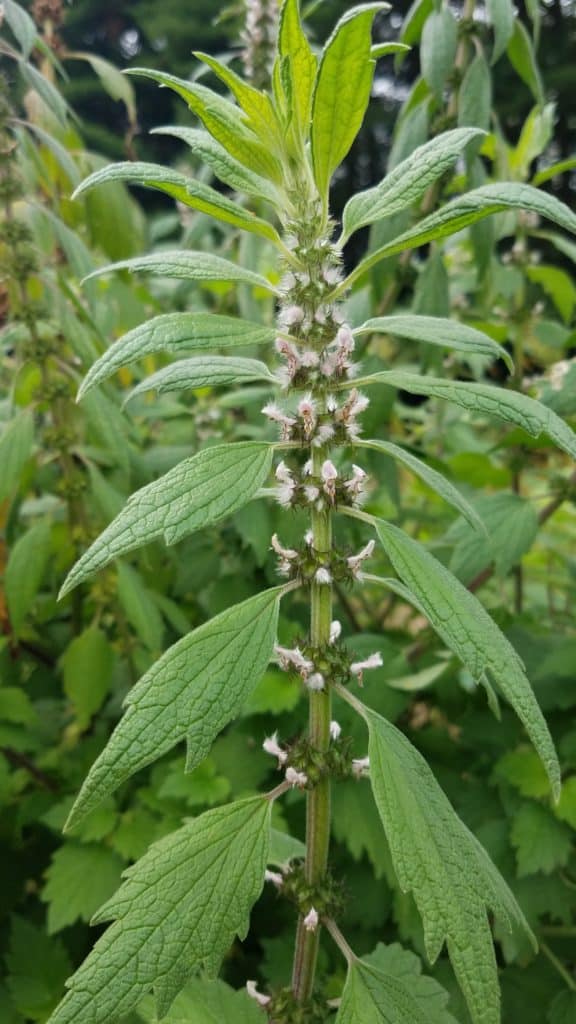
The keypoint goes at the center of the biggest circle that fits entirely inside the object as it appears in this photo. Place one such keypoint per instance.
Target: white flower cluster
(311, 424)
(334, 361)
(320, 492)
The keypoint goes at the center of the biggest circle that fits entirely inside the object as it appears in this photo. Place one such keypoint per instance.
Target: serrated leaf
(189, 265)
(16, 443)
(178, 910)
(175, 333)
(25, 571)
(223, 120)
(432, 478)
(256, 105)
(292, 43)
(512, 525)
(342, 91)
(408, 182)
(80, 878)
(523, 769)
(511, 406)
(463, 211)
(541, 842)
(465, 626)
(37, 967)
(501, 14)
(371, 995)
(87, 665)
(206, 1002)
(435, 330)
(442, 864)
(185, 190)
(438, 48)
(224, 166)
(191, 693)
(197, 492)
(407, 967)
(203, 372)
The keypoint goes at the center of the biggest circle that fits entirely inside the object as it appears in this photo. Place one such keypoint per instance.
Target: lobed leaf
(408, 182)
(466, 627)
(534, 417)
(175, 333)
(196, 687)
(188, 264)
(292, 43)
(196, 493)
(203, 372)
(185, 190)
(177, 911)
(371, 995)
(342, 91)
(436, 330)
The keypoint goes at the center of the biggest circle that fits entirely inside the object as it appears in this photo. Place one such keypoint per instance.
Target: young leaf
(175, 333)
(438, 48)
(203, 372)
(534, 417)
(466, 210)
(438, 860)
(435, 330)
(25, 571)
(178, 910)
(371, 995)
(187, 264)
(408, 182)
(523, 59)
(467, 629)
(256, 105)
(292, 43)
(185, 190)
(430, 476)
(191, 693)
(501, 14)
(342, 91)
(196, 493)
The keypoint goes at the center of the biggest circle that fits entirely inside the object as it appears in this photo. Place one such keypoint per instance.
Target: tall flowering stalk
(184, 902)
(259, 36)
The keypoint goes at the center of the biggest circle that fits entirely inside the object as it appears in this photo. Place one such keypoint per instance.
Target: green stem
(564, 974)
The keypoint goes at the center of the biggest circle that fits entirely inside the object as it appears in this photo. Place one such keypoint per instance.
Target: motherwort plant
(180, 907)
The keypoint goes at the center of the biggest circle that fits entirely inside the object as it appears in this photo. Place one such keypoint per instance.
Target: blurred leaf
(523, 769)
(25, 571)
(541, 843)
(87, 666)
(37, 969)
(79, 880)
(438, 48)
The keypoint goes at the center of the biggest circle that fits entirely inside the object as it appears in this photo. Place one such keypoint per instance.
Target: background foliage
(66, 470)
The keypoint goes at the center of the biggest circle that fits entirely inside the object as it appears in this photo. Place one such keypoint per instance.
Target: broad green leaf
(523, 59)
(558, 285)
(206, 1002)
(292, 43)
(16, 442)
(562, 1009)
(115, 83)
(523, 769)
(195, 493)
(224, 166)
(542, 843)
(512, 525)
(342, 91)
(437, 331)
(475, 95)
(204, 372)
(185, 190)
(284, 848)
(408, 182)
(223, 120)
(187, 264)
(175, 333)
(501, 14)
(256, 105)
(536, 419)
(22, 26)
(466, 210)
(16, 706)
(432, 478)
(191, 693)
(438, 860)
(438, 48)
(37, 966)
(80, 878)
(371, 995)
(466, 627)
(178, 910)
(140, 607)
(87, 665)
(25, 571)
(407, 967)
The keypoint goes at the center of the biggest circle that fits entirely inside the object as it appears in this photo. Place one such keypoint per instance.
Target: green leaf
(115, 83)
(175, 333)
(80, 878)
(223, 120)
(557, 168)
(87, 665)
(407, 967)
(442, 864)
(189, 265)
(501, 14)
(22, 26)
(204, 372)
(533, 417)
(439, 331)
(468, 630)
(475, 95)
(385, 49)
(37, 967)
(206, 1002)
(63, 158)
(566, 806)
(466, 210)
(47, 92)
(292, 43)
(25, 571)
(563, 1008)
(191, 692)
(224, 166)
(523, 769)
(16, 706)
(185, 190)
(342, 91)
(140, 607)
(512, 525)
(256, 105)
(438, 48)
(195, 493)
(284, 848)
(430, 476)
(415, 19)
(541, 842)
(178, 910)
(408, 182)
(523, 59)
(558, 285)
(16, 443)
(371, 995)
